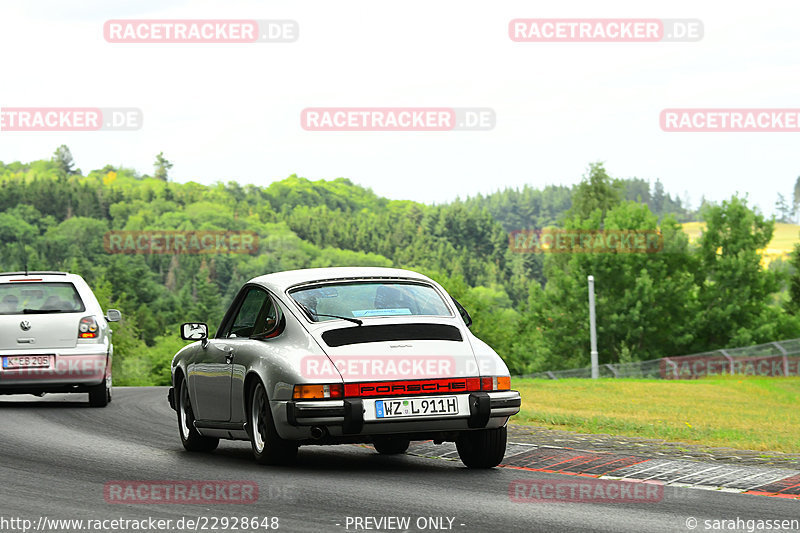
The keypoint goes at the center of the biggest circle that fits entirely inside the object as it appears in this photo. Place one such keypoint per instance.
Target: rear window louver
(391, 332)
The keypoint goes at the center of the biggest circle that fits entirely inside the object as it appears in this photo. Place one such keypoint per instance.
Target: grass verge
(751, 413)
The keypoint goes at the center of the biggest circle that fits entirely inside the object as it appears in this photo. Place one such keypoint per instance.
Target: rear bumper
(346, 417)
(70, 371)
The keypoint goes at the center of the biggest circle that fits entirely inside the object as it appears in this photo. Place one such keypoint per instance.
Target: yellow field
(740, 412)
(784, 239)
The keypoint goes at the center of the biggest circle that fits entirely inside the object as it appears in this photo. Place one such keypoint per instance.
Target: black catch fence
(780, 358)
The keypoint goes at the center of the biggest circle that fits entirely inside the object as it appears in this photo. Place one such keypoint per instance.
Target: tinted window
(369, 299)
(39, 297)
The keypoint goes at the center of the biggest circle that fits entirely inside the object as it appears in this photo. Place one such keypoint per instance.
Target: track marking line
(695, 474)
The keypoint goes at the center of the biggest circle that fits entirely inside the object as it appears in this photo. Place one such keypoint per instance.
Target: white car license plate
(27, 361)
(402, 407)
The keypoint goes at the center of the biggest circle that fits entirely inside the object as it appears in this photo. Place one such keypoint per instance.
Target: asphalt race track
(57, 456)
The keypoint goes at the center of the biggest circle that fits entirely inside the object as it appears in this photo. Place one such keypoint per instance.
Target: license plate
(402, 407)
(27, 361)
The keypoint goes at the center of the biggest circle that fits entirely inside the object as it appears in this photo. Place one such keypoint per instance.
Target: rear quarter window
(39, 297)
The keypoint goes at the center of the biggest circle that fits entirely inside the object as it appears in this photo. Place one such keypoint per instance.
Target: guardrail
(780, 358)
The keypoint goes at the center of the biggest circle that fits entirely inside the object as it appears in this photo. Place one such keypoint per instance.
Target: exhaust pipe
(318, 432)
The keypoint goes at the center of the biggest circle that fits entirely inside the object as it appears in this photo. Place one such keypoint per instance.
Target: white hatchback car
(54, 337)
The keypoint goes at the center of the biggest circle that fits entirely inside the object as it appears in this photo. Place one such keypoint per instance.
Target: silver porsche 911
(342, 355)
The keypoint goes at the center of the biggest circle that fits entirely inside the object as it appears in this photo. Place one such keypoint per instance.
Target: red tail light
(307, 392)
(496, 383)
(87, 329)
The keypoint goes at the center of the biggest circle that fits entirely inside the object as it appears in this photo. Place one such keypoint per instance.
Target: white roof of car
(280, 281)
(48, 275)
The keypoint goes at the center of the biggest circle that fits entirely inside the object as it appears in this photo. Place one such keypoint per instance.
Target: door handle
(228, 354)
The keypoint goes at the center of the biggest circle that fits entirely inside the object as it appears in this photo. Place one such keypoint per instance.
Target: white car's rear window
(370, 299)
(39, 298)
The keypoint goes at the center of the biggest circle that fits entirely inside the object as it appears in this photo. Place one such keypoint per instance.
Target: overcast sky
(232, 111)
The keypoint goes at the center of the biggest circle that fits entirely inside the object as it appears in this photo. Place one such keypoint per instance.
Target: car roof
(280, 281)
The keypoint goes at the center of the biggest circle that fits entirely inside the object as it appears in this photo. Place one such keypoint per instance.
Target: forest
(530, 307)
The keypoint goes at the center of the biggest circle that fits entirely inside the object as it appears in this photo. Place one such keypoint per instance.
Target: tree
(207, 304)
(645, 301)
(793, 304)
(597, 191)
(796, 199)
(734, 288)
(782, 210)
(637, 190)
(62, 157)
(162, 166)
(660, 198)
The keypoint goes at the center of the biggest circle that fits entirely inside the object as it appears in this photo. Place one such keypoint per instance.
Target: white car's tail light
(318, 392)
(496, 383)
(88, 329)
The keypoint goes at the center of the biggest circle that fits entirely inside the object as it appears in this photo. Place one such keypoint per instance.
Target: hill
(529, 307)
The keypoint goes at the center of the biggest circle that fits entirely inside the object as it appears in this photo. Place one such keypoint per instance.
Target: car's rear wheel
(390, 445)
(100, 395)
(268, 447)
(483, 448)
(192, 440)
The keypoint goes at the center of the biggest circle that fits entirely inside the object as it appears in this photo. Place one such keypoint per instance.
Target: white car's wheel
(268, 446)
(191, 439)
(483, 448)
(100, 395)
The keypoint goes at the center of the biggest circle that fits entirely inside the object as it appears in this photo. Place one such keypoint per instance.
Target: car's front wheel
(483, 448)
(268, 447)
(390, 445)
(192, 440)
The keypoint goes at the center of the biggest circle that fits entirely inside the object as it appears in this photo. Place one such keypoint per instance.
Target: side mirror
(193, 331)
(112, 315)
(463, 313)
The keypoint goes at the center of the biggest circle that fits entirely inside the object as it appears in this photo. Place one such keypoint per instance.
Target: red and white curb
(727, 477)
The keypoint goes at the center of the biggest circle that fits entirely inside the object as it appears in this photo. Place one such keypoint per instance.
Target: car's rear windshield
(39, 297)
(370, 299)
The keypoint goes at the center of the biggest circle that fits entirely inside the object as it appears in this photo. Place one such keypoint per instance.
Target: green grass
(740, 412)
